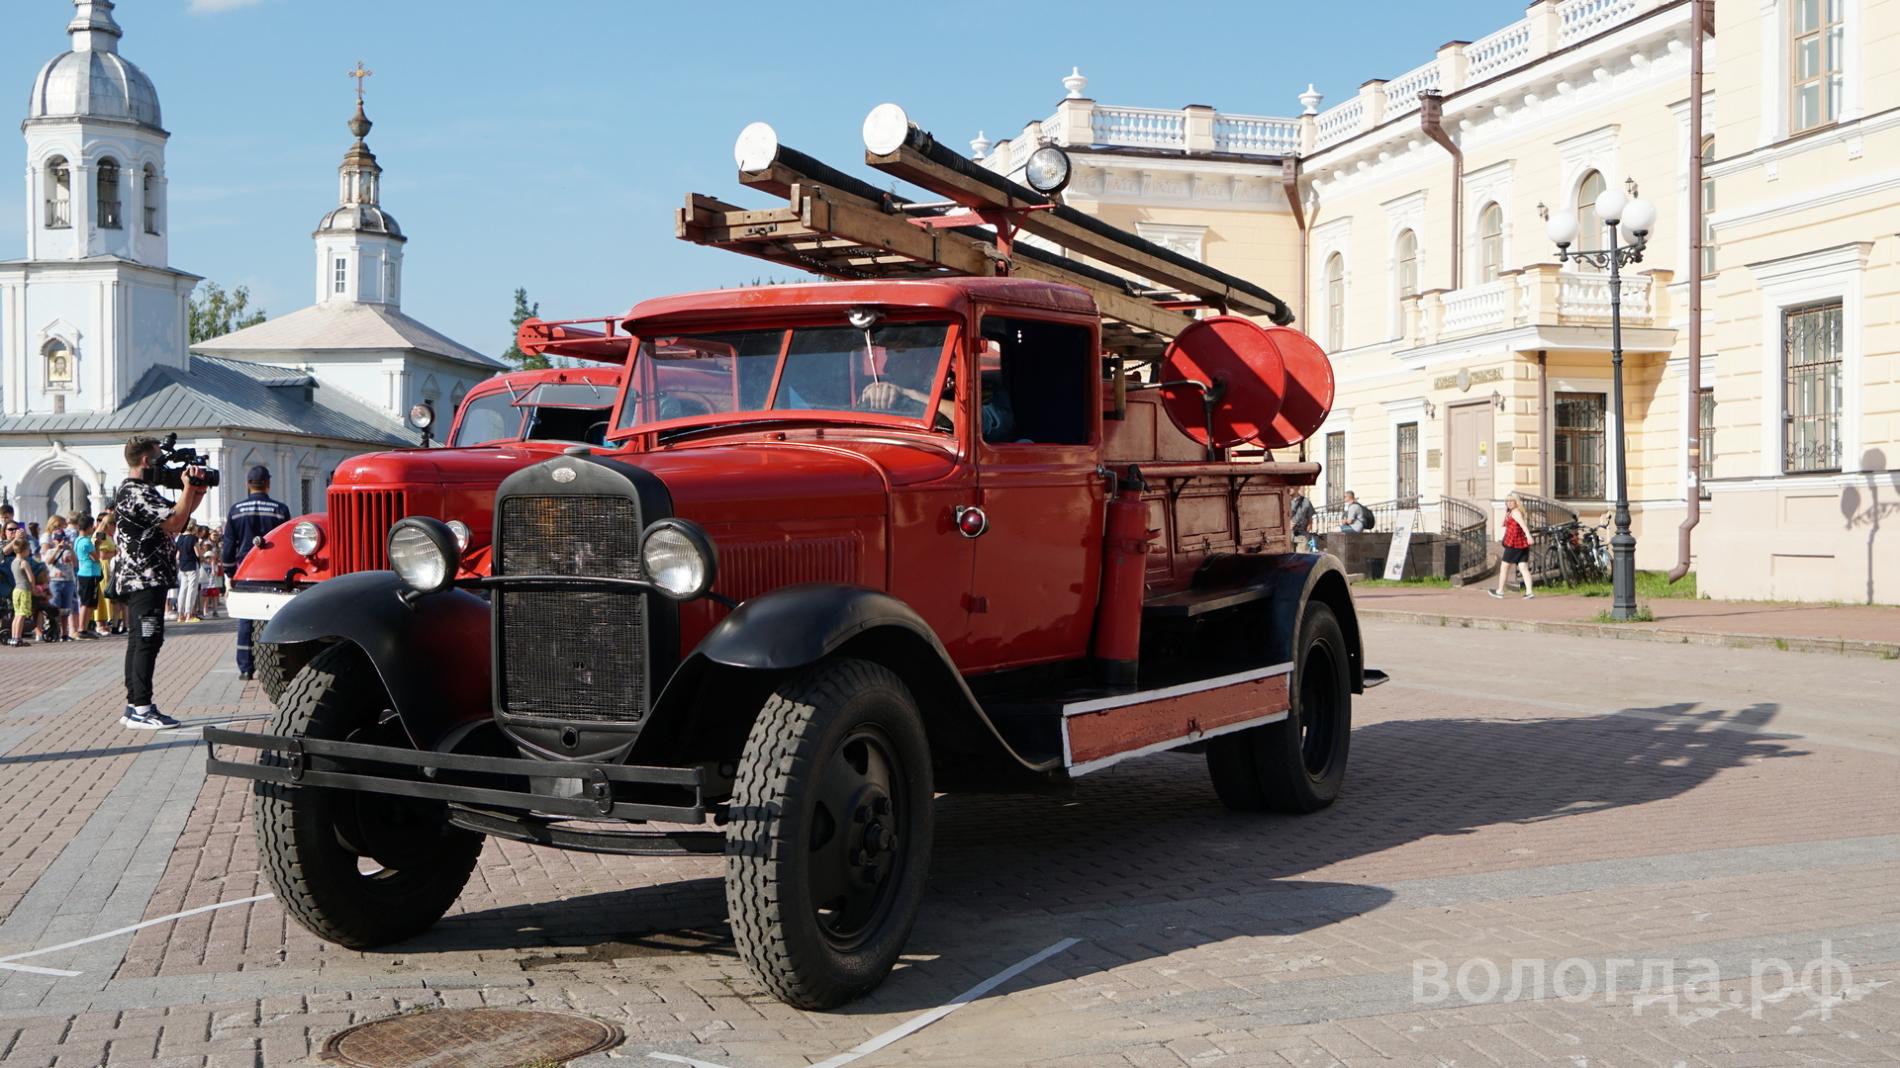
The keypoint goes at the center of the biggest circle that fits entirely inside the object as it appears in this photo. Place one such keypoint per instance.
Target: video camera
(169, 469)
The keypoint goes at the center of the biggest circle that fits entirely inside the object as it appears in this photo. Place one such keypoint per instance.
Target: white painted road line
(690, 1062)
(31, 970)
(5, 961)
(925, 1020)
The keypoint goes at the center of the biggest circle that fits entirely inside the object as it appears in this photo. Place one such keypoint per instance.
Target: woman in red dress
(1517, 547)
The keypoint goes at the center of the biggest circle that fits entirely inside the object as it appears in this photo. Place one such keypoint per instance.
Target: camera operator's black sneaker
(153, 720)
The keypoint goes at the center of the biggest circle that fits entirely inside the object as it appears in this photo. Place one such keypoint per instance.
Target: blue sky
(545, 144)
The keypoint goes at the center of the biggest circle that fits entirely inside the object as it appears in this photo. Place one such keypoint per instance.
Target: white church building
(93, 320)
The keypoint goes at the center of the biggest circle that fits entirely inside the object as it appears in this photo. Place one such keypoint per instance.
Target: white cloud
(214, 7)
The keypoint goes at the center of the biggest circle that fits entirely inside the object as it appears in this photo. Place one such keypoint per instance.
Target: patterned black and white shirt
(146, 560)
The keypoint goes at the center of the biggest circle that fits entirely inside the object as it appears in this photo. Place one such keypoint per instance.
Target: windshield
(887, 370)
(560, 416)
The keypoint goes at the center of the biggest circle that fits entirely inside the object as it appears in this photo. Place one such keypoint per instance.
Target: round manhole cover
(471, 1038)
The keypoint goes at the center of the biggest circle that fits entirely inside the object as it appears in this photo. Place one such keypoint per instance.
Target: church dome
(364, 217)
(93, 81)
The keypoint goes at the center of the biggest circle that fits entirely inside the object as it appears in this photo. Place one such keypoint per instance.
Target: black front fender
(1290, 581)
(708, 706)
(431, 654)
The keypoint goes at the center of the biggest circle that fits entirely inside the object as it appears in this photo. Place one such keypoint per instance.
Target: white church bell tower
(359, 245)
(94, 303)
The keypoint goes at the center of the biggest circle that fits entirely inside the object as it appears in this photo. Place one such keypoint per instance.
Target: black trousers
(244, 646)
(145, 633)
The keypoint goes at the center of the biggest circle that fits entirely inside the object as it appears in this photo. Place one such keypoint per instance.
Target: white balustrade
(1583, 19)
(1585, 297)
(1138, 127)
(1401, 93)
(1255, 135)
(1339, 123)
(1475, 309)
(1498, 52)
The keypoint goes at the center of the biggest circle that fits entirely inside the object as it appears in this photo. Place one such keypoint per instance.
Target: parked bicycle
(1577, 552)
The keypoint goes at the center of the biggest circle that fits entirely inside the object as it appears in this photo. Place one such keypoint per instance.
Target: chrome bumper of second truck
(259, 601)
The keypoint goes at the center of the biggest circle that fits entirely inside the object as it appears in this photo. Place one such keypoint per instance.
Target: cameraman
(146, 568)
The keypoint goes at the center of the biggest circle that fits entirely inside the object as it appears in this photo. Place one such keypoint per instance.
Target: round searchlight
(1048, 170)
(886, 129)
(756, 148)
(423, 554)
(679, 558)
(306, 537)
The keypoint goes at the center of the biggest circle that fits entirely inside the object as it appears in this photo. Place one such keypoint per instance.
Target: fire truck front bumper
(260, 601)
(518, 786)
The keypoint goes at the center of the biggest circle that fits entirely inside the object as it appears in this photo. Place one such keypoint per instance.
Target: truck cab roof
(774, 301)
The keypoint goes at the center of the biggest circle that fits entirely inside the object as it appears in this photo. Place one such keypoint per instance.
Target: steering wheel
(677, 407)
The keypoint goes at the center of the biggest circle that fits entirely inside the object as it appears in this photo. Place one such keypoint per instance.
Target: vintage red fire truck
(983, 519)
(504, 424)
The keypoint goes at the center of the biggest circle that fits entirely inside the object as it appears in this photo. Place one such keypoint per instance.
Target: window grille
(1708, 208)
(1335, 468)
(1705, 436)
(1577, 450)
(342, 273)
(1811, 388)
(1408, 465)
(108, 195)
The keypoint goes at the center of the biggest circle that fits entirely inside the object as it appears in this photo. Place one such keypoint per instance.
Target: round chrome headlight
(1048, 170)
(679, 558)
(422, 552)
(463, 535)
(306, 537)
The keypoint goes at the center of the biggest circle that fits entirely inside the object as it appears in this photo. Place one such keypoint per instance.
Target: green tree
(514, 356)
(215, 313)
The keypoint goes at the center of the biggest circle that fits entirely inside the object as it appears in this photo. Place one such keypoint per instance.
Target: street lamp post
(1639, 215)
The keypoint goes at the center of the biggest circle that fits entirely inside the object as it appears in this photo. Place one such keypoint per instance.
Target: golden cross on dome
(359, 74)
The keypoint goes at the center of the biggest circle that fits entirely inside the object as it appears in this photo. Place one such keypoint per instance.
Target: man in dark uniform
(250, 519)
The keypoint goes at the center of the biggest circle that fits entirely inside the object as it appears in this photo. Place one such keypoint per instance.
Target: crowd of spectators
(53, 579)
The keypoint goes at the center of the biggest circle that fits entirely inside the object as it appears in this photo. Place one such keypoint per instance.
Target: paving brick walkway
(1869, 629)
(1549, 807)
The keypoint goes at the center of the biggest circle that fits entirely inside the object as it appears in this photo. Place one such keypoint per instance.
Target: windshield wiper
(676, 433)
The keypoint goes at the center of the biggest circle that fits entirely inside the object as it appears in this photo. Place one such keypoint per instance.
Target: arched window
(59, 364)
(1490, 243)
(1336, 302)
(1708, 207)
(1406, 257)
(455, 399)
(108, 194)
(148, 188)
(1590, 231)
(59, 193)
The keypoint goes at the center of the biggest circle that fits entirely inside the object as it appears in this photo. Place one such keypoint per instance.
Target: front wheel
(358, 869)
(1297, 765)
(829, 841)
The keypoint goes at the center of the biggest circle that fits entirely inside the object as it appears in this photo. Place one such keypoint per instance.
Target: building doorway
(1470, 453)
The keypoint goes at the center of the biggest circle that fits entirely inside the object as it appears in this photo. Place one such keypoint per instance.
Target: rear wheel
(355, 868)
(829, 841)
(1297, 765)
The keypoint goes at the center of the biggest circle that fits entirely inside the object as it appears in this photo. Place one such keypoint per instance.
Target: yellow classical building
(1407, 223)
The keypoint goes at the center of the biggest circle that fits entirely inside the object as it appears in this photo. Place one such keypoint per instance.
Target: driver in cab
(903, 390)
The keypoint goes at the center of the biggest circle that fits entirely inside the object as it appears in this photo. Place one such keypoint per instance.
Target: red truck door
(1037, 570)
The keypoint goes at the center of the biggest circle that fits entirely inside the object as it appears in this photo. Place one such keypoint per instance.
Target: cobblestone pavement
(1551, 850)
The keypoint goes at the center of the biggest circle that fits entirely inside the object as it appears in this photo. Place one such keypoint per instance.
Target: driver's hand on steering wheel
(885, 396)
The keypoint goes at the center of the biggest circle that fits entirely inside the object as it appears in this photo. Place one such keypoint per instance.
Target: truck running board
(1099, 728)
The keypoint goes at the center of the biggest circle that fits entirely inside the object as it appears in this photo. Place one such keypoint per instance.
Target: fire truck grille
(359, 527)
(571, 655)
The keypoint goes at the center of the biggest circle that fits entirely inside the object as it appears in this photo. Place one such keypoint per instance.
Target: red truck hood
(413, 467)
(777, 481)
